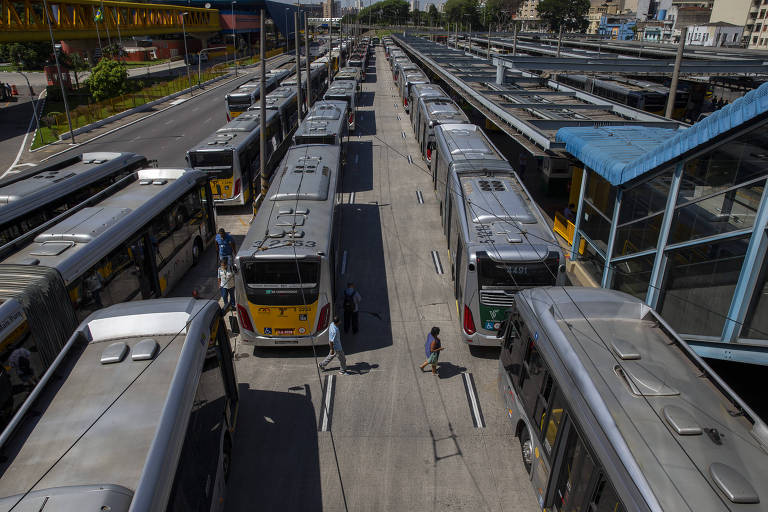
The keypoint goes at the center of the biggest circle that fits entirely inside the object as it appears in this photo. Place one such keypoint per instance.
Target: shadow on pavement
(448, 370)
(358, 173)
(275, 461)
(365, 99)
(366, 122)
(485, 352)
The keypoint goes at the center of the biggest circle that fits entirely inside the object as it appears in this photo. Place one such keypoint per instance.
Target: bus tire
(526, 450)
(197, 251)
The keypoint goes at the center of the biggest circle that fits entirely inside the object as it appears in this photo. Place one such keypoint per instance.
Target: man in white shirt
(227, 285)
(337, 350)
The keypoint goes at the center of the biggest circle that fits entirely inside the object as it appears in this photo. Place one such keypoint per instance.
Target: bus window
(605, 499)
(542, 405)
(576, 474)
(531, 378)
(555, 419)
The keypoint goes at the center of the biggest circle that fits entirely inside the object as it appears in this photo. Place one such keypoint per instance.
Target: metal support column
(500, 74)
(262, 109)
(579, 210)
(297, 37)
(657, 273)
(611, 239)
(750, 271)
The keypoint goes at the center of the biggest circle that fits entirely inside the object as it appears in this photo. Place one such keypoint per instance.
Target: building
(331, 8)
(719, 33)
(414, 5)
(528, 13)
(596, 11)
(617, 26)
(751, 14)
(679, 218)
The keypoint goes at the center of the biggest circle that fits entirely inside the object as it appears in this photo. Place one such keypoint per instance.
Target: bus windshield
(217, 163)
(282, 282)
(493, 274)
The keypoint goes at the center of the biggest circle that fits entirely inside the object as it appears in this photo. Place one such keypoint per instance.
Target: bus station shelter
(678, 218)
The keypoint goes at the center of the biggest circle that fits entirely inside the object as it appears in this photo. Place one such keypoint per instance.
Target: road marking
(327, 410)
(169, 122)
(436, 261)
(36, 104)
(419, 197)
(352, 198)
(344, 263)
(403, 133)
(398, 116)
(474, 402)
(410, 160)
(25, 165)
(180, 100)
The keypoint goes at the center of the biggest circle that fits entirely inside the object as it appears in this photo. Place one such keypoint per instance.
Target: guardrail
(566, 229)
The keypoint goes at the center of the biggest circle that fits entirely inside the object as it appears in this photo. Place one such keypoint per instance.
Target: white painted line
(436, 262)
(419, 197)
(26, 165)
(26, 135)
(398, 116)
(344, 263)
(403, 133)
(180, 100)
(170, 121)
(325, 425)
(410, 160)
(474, 403)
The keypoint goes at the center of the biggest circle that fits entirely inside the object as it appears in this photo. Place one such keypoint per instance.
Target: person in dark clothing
(226, 247)
(432, 348)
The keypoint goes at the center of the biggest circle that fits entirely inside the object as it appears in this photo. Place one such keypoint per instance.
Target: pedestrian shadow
(359, 368)
(446, 370)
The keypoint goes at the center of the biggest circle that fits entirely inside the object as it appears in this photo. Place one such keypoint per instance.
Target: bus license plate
(283, 332)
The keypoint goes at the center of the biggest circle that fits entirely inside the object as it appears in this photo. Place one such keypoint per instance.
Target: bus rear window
(239, 101)
(281, 282)
(319, 139)
(216, 163)
(524, 274)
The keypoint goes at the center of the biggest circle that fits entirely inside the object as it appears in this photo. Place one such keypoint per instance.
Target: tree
(108, 79)
(456, 10)
(76, 63)
(433, 15)
(501, 11)
(27, 55)
(570, 15)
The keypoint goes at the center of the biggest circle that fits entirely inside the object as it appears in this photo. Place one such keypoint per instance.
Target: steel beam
(563, 64)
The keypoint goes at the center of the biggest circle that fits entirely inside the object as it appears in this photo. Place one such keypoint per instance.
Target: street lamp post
(34, 103)
(58, 72)
(186, 53)
(199, 56)
(234, 35)
(287, 32)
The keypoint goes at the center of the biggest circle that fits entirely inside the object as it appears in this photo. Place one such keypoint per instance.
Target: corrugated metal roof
(622, 153)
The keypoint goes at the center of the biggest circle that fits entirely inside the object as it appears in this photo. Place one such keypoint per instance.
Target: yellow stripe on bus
(283, 320)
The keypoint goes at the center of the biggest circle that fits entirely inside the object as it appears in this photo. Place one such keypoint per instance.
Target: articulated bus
(348, 73)
(434, 110)
(616, 413)
(425, 90)
(138, 413)
(318, 73)
(33, 198)
(498, 240)
(407, 80)
(282, 100)
(248, 93)
(135, 244)
(285, 286)
(230, 156)
(344, 90)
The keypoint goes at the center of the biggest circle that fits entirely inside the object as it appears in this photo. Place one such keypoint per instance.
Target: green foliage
(387, 12)
(433, 15)
(76, 63)
(33, 55)
(571, 15)
(108, 79)
(463, 12)
(501, 11)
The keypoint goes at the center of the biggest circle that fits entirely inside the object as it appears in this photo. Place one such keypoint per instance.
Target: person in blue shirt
(337, 350)
(226, 246)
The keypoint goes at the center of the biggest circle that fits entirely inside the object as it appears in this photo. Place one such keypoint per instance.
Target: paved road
(399, 439)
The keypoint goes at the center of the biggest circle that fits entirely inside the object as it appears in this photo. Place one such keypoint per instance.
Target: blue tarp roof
(622, 153)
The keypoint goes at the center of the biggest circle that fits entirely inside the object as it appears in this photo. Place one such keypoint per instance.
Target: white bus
(136, 414)
(135, 244)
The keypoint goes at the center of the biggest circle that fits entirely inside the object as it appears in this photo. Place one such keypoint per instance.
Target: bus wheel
(526, 450)
(197, 250)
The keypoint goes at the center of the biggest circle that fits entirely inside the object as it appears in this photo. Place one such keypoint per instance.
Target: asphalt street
(395, 438)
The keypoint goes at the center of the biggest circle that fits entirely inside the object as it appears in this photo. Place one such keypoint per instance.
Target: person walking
(432, 348)
(227, 285)
(334, 339)
(226, 247)
(352, 300)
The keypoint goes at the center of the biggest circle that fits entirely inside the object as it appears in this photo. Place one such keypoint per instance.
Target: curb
(142, 108)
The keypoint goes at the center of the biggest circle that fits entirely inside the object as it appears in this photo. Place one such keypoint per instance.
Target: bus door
(142, 251)
(209, 213)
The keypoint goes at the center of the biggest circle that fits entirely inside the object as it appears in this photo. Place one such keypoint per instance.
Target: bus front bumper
(258, 340)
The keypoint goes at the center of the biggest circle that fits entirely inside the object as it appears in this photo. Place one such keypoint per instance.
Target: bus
(285, 286)
(344, 90)
(499, 242)
(615, 412)
(407, 80)
(33, 198)
(248, 93)
(137, 413)
(282, 100)
(230, 156)
(135, 244)
(348, 73)
(417, 91)
(326, 123)
(435, 110)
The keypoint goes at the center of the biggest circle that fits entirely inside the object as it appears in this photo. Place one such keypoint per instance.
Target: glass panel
(542, 404)
(756, 324)
(734, 162)
(605, 499)
(576, 471)
(647, 198)
(632, 276)
(532, 378)
(637, 236)
(729, 211)
(699, 286)
(555, 417)
(595, 226)
(600, 193)
(593, 263)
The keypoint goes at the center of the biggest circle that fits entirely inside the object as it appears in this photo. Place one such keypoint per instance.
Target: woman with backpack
(432, 349)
